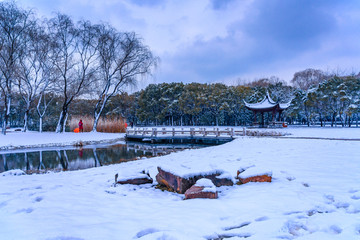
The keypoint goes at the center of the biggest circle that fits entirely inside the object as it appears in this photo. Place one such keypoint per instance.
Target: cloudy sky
(225, 40)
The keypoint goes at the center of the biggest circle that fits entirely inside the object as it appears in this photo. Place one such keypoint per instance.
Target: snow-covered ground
(14, 139)
(315, 194)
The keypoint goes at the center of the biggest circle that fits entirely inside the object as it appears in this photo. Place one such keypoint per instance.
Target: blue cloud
(290, 24)
(149, 3)
(220, 4)
(279, 31)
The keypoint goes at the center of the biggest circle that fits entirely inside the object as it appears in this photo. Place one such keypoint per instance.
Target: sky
(230, 41)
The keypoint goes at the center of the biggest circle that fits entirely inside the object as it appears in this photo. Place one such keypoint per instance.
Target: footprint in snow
(110, 192)
(146, 232)
(230, 235)
(25, 210)
(329, 198)
(342, 205)
(65, 238)
(290, 178)
(3, 204)
(241, 225)
(357, 230)
(292, 212)
(335, 229)
(260, 219)
(355, 197)
(38, 199)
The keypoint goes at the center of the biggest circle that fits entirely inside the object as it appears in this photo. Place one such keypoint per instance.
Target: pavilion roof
(267, 104)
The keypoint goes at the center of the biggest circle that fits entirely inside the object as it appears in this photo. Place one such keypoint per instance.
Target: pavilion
(270, 106)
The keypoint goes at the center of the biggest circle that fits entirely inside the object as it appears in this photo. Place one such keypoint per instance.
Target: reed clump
(107, 125)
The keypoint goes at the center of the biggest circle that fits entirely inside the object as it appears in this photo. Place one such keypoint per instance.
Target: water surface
(40, 160)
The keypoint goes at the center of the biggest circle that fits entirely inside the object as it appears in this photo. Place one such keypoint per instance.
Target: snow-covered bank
(315, 194)
(320, 132)
(13, 140)
(16, 140)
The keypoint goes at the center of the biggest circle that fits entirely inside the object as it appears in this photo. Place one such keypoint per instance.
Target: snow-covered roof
(267, 104)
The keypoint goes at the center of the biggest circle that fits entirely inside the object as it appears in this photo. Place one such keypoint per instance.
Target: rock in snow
(181, 184)
(140, 178)
(259, 178)
(253, 174)
(203, 188)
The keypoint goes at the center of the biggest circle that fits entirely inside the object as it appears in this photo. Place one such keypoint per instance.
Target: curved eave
(266, 105)
(284, 106)
(263, 109)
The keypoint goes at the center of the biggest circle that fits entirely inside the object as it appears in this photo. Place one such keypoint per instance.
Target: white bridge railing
(185, 132)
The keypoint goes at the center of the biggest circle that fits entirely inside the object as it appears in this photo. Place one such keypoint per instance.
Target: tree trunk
(40, 124)
(341, 120)
(97, 113)
(40, 160)
(6, 167)
(7, 113)
(349, 121)
(64, 125)
(321, 120)
(4, 127)
(26, 120)
(62, 117)
(27, 161)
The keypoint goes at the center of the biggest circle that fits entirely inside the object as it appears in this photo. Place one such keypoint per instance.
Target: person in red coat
(81, 129)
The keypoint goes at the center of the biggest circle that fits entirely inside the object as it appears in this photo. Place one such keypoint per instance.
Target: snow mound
(123, 176)
(255, 171)
(207, 184)
(15, 172)
(190, 171)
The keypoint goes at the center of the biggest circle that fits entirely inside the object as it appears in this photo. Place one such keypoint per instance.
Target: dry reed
(113, 125)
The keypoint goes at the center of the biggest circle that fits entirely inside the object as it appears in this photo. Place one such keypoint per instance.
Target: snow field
(315, 194)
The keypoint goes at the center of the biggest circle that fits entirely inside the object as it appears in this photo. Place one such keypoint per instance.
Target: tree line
(315, 98)
(43, 60)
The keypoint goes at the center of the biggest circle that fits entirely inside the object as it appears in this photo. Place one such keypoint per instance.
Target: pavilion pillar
(255, 118)
(262, 119)
(280, 115)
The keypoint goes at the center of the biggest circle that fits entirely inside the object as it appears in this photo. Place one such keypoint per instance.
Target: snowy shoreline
(315, 194)
(24, 140)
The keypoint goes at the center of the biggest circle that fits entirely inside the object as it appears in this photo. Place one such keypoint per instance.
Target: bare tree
(73, 55)
(44, 100)
(307, 78)
(122, 59)
(14, 25)
(33, 71)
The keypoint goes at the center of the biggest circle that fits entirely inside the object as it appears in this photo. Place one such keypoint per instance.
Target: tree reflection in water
(72, 158)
